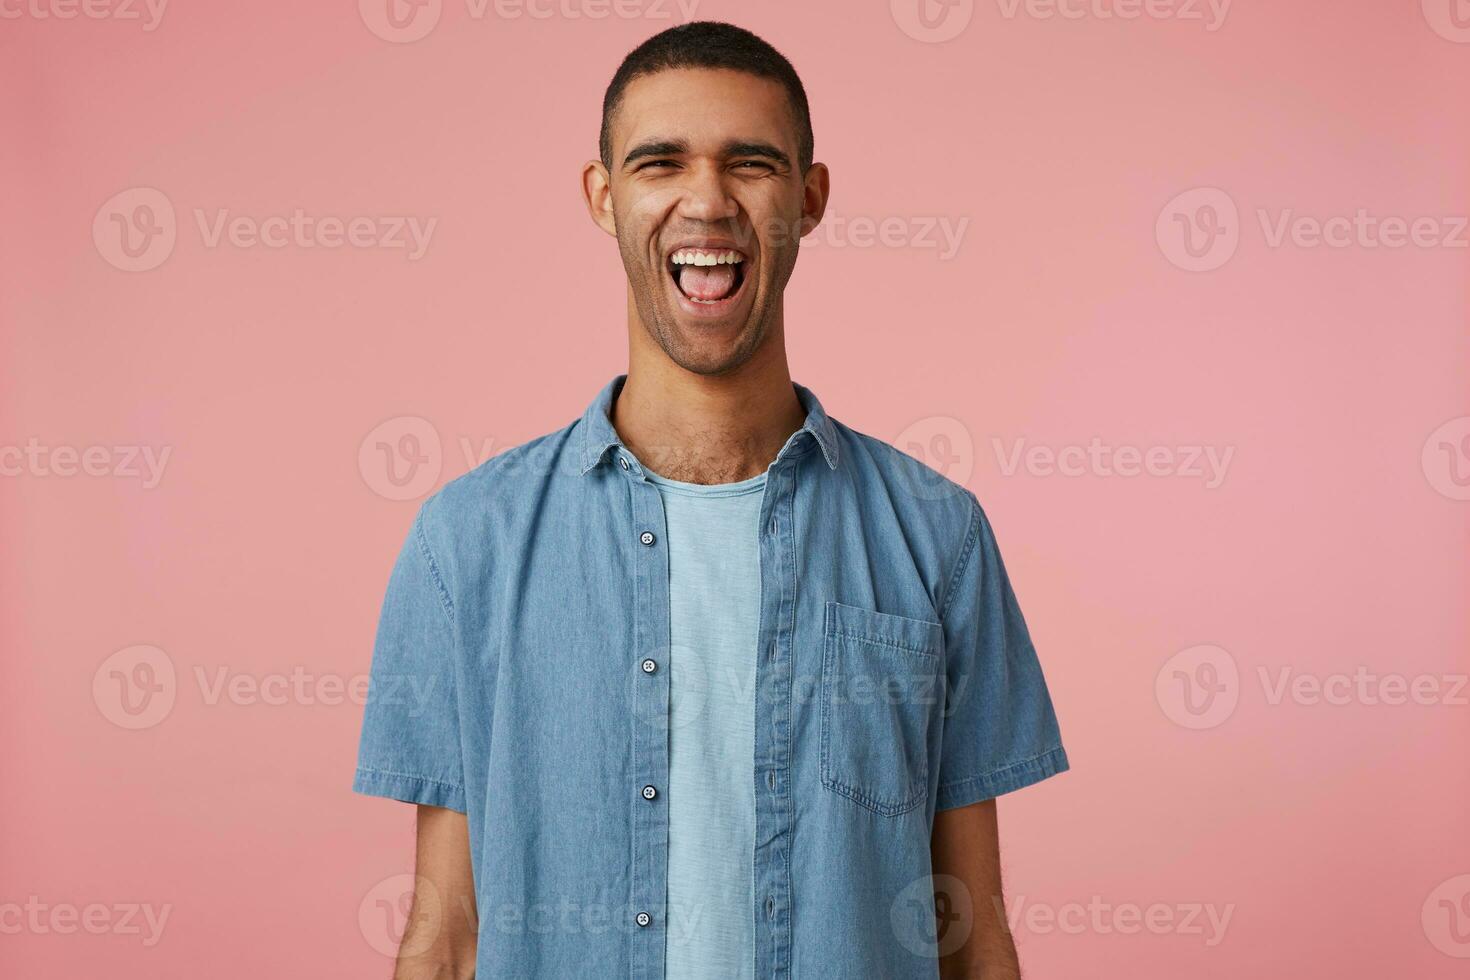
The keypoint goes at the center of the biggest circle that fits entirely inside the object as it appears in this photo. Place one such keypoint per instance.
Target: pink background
(1333, 834)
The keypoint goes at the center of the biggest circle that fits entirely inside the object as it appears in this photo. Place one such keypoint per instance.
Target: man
(705, 684)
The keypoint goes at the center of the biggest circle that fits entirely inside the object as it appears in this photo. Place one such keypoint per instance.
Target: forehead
(706, 106)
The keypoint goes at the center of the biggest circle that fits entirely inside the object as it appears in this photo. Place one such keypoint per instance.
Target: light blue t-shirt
(713, 534)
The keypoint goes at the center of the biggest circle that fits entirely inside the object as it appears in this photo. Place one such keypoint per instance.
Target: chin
(697, 348)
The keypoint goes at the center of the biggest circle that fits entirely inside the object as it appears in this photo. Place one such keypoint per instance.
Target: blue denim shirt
(519, 677)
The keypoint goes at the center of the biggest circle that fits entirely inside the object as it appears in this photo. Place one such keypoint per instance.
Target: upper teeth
(695, 256)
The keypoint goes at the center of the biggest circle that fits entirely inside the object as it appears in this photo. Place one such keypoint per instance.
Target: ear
(597, 190)
(816, 188)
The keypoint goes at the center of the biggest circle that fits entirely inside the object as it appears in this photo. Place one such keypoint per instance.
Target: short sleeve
(410, 745)
(1000, 731)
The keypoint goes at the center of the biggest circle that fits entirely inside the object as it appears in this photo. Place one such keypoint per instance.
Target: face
(708, 203)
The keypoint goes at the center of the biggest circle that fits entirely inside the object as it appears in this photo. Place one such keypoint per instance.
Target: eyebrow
(756, 149)
(679, 147)
(656, 148)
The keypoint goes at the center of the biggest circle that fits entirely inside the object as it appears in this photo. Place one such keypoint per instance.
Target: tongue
(706, 281)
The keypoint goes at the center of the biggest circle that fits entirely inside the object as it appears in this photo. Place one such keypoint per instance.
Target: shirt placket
(773, 803)
(650, 704)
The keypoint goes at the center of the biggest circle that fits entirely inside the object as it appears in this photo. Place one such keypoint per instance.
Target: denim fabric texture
(520, 676)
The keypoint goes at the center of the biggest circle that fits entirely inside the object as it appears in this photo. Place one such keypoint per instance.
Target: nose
(705, 196)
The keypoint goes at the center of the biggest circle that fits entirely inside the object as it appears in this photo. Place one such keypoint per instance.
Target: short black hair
(708, 44)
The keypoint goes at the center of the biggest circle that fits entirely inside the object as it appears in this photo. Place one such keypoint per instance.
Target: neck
(707, 428)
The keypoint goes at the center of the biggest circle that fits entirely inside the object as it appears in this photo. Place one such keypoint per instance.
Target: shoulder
(506, 483)
(918, 490)
(936, 514)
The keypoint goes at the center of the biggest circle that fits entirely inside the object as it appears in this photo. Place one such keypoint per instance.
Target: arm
(965, 847)
(439, 940)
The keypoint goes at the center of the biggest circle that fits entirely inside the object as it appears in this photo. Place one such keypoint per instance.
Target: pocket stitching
(887, 809)
(881, 641)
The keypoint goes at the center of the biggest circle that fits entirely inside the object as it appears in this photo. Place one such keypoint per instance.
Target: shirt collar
(598, 434)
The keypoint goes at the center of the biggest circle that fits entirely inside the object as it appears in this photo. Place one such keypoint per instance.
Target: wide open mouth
(707, 276)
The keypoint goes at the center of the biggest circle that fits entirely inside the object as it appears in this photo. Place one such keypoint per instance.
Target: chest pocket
(880, 690)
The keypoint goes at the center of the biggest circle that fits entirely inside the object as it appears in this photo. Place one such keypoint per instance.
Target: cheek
(778, 226)
(644, 211)
(637, 238)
